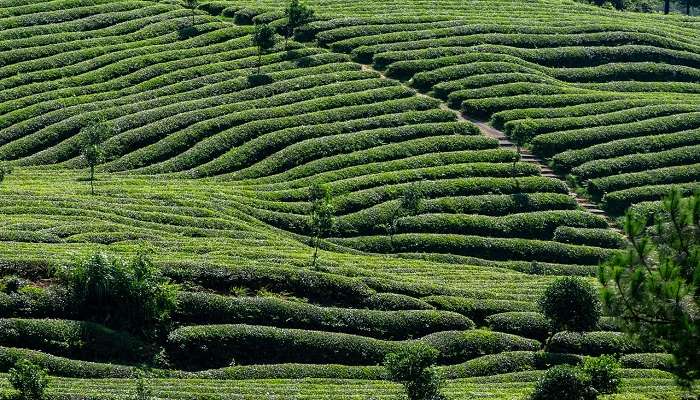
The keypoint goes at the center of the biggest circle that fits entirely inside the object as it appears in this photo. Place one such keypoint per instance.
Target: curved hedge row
(211, 308)
(637, 162)
(490, 248)
(589, 237)
(77, 339)
(662, 176)
(594, 343)
(551, 143)
(540, 126)
(532, 225)
(194, 347)
(567, 160)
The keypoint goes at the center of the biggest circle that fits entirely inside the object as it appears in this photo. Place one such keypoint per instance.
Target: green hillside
(209, 169)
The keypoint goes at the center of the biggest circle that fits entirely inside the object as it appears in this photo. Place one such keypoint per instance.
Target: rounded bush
(571, 304)
(563, 382)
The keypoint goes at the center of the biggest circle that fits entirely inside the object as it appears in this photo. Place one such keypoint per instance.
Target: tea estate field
(529, 128)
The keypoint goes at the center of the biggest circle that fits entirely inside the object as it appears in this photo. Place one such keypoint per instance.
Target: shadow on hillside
(187, 32)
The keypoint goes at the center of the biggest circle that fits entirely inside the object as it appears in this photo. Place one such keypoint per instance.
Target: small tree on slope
(653, 286)
(91, 150)
(297, 15)
(570, 304)
(321, 216)
(263, 39)
(412, 367)
(191, 5)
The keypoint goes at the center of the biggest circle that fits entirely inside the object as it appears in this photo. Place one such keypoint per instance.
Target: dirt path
(525, 155)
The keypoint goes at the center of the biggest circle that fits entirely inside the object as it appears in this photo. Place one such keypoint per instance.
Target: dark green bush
(648, 361)
(318, 287)
(599, 237)
(29, 380)
(133, 296)
(563, 382)
(412, 367)
(478, 309)
(571, 304)
(244, 16)
(507, 362)
(604, 373)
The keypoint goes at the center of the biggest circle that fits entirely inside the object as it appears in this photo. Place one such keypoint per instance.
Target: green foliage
(130, 295)
(192, 5)
(297, 14)
(263, 39)
(653, 286)
(30, 380)
(604, 373)
(321, 218)
(571, 304)
(92, 149)
(142, 390)
(563, 382)
(412, 367)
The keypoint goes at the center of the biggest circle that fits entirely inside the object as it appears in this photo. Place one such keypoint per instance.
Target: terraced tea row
(615, 104)
(636, 385)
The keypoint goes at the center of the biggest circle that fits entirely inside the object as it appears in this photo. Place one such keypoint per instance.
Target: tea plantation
(210, 167)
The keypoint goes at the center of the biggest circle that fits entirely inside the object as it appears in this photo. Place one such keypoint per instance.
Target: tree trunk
(687, 7)
(259, 60)
(92, 180)
(667, 6)
(315, 257)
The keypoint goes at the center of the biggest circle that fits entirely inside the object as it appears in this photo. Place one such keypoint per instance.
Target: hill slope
(211, 169)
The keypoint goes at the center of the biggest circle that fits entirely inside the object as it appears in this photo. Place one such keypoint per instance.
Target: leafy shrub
(133, 296)
(30, 380)
(412, 367)
(604, 373)
(571, 304)
(563, 382)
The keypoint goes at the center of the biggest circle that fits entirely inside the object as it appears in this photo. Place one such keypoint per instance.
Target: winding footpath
(525, 154)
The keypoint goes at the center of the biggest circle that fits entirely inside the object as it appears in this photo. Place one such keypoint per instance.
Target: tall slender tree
(92, 150)
(653, 287)
(297, 15)
(321, 216)
(192, 5)
(263, 39)
(408, 205)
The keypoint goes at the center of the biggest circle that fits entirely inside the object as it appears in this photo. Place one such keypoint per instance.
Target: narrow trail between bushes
(525, 154)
